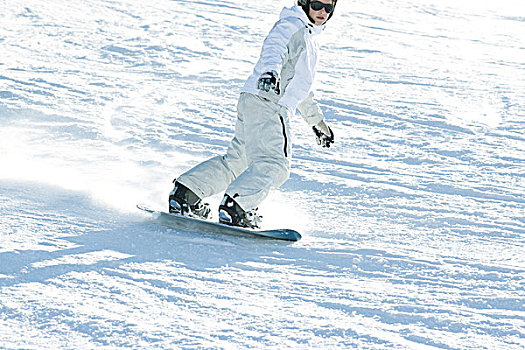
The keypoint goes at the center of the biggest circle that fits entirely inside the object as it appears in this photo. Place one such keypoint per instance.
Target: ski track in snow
(413, 223)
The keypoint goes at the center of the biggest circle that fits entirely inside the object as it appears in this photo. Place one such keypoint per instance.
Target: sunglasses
(318, 5)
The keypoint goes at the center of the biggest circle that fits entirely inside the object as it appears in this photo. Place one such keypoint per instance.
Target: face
(320, 16)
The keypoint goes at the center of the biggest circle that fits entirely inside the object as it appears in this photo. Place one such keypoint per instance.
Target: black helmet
(305, 4)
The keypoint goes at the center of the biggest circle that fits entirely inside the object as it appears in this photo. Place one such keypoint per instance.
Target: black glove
(269, 81)
(323, 139)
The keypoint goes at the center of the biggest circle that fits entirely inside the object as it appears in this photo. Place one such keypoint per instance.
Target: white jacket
(290, 49)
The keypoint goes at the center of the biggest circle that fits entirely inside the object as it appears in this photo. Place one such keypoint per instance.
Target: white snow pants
(257, 159)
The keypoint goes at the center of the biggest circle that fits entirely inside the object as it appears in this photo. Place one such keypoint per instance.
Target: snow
(413, 223)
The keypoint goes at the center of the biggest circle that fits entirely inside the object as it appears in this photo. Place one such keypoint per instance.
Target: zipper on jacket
(285, 137)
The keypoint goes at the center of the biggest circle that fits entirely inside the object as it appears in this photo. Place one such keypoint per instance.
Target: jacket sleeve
(275, 47)
(310, 110)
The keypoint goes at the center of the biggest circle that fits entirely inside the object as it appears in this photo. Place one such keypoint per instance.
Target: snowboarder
(258, 157)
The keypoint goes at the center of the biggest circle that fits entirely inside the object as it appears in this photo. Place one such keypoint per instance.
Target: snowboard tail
(200, 225)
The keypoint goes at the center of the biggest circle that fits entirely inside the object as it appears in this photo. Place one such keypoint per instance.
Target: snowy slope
(413, 224)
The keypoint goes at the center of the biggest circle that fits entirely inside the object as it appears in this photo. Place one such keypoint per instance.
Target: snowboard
(200, 225)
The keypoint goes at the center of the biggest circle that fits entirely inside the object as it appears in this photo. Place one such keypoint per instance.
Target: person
(258, 157)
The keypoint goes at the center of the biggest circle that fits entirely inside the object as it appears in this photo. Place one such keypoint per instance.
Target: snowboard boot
(230, 213)
(183, 201)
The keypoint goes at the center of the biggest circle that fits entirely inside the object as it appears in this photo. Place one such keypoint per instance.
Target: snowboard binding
(230, 213)
(184, 201)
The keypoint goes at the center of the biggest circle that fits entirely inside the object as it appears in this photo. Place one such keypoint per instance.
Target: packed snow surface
(412, 223)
